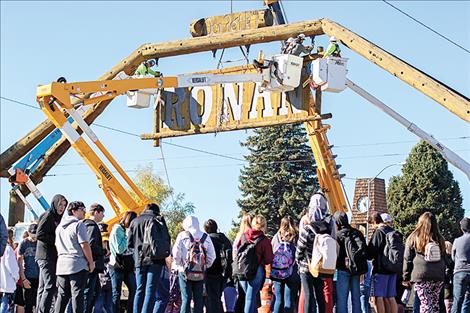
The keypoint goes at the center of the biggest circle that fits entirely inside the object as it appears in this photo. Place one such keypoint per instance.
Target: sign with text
(231, 23)
(230, 106)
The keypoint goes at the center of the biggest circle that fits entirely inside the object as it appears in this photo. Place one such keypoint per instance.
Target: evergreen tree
(280, 175)
(426, 184)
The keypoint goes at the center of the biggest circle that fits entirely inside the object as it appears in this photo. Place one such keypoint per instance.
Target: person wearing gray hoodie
(192, 289)
(46, 253)
(74, 260)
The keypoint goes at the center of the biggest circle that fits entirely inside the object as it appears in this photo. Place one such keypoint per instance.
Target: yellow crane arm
(54, 100)
(436, 90)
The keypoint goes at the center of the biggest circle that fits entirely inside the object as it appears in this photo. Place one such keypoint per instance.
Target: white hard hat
(290, 39)
(150, 62)
(301, 36)
(332, 38)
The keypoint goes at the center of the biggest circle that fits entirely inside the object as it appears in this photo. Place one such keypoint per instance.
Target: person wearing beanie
(461, 257)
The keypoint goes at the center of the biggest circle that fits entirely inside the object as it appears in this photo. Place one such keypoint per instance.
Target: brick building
(378, 201)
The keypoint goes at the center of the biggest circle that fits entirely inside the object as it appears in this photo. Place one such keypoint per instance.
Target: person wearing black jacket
(92, 288)
(349, 270)
(150, 241)
(46, 253)
(221, 269)
(383, 283)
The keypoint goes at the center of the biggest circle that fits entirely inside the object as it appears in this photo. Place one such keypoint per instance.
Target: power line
(424, 25)
(243, 160)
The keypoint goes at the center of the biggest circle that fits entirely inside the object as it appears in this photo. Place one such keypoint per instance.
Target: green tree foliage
(174, 207)
(280, 175)
(426, 184)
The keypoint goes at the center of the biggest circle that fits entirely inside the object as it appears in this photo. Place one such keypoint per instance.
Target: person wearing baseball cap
(461, 257)
(387, 219)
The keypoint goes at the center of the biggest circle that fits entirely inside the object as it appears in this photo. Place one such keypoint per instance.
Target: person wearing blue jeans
(365, 289)
(348, 283)
(251, 289)
(285, 292)
(117, 278)
(191, 290)
(153, 290)
(461, 287)
(350, 265)
(461, 257)
(150, 240)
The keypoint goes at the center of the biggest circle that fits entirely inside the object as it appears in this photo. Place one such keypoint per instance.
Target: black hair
(210, 226)
(73, 206)
(96, 207)
(375, 218)
(153, 207)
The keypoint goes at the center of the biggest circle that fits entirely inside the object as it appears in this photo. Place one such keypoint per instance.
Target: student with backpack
(193, 253)
(385, 249)
(220, 271)
(254, 252)
(245, 224)
(424, 262)
(284, 272)
(350, 265)
(150, 241)
(316, 256)
(121, 262)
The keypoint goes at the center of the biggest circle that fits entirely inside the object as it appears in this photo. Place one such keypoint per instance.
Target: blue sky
(41, 41)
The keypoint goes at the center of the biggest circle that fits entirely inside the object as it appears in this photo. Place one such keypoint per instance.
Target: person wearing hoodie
(350, 265)
(75, 259)
(317, 291)
(46, 253)
(9, 275)
(220, 271)
(186, 241)
(92, 289)
(150, 241)
(264, 253)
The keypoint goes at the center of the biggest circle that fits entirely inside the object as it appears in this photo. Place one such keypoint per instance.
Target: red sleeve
(265, 251)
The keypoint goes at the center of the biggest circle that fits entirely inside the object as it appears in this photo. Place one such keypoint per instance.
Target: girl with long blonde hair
(286, 280)
(424, 262)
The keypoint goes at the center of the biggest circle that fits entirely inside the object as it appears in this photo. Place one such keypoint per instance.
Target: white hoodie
(9, 271)
(183, 243)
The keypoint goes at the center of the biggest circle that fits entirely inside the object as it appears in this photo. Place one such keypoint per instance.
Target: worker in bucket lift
(296, 46)
(333, 48)
(145, 69)
(287, 45)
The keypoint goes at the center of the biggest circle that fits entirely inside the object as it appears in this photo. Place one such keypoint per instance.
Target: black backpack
(156, 243)
(394, 250)
(356, 251)
(246, 264)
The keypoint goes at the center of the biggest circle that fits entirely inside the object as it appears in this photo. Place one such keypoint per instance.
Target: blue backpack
(282, 266)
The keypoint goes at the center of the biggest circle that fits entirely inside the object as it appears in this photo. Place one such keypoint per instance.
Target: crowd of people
(70, 262)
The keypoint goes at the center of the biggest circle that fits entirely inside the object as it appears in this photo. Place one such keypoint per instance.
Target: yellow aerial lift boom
(55, 101)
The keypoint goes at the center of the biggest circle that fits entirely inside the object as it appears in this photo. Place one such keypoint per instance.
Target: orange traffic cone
(266, 297)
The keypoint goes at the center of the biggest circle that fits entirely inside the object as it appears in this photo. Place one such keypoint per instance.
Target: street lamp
(368, 203)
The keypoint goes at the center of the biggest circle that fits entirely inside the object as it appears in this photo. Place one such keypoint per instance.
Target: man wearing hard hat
(145, 69)
(333, 48)
(296, 46)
